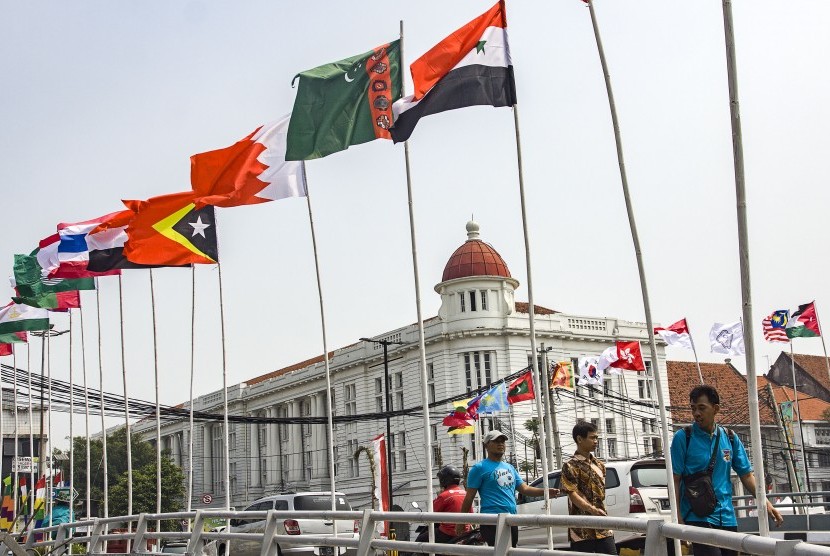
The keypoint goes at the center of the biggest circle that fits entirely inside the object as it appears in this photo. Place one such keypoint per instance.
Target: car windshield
(175, 548)
(320, 502)
(651, 476)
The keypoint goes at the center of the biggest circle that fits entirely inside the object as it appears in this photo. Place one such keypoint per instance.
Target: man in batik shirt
(583, 480)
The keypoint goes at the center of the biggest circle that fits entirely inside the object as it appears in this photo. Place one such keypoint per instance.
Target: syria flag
(250, 171)
(471, 67)
(676, 334)
(629, 357)
(170, 231)
(521, 389)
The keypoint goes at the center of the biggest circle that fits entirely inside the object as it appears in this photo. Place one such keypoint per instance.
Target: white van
(304, 501)
(632, 489)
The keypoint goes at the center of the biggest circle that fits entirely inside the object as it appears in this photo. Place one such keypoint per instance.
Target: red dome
(475, 258)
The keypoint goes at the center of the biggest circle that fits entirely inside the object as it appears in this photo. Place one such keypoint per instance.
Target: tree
(143, 455)
(144, 489)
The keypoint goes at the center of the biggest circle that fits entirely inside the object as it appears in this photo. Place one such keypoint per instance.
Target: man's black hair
(583, 429)
(704, 390)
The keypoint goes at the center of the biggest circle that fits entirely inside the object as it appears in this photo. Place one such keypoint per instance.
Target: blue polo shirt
(496, 482)
(731, 455)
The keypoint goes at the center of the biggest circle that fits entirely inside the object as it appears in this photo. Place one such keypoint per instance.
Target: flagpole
(630, 415)
(127, 429)
(694, 351)
(31, 426)
(746, 290)
(50, 482)
(531, 309)
(224, 384)
(86, 418)
(101, 393)
(71, 419)
(421, 341)
(641, 270)
(16, 465)
(821, 335)
(192, 373)
(329, 409)
(806, 473)
(158, 407)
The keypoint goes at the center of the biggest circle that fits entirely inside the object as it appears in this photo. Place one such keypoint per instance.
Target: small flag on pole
(804, 323)
(775, 326)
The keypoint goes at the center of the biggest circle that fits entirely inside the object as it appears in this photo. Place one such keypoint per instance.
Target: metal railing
(57, 539)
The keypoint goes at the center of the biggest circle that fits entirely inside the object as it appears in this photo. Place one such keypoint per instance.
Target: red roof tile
(730, 384)
(522, 307)
(815, 366)
(812, 408)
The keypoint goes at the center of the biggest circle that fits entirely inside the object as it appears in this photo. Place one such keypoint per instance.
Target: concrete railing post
(269, 547)
(367, 533)
(94, 542)
(196, 544)
(139, 543)
(655, 540)
(503, 536)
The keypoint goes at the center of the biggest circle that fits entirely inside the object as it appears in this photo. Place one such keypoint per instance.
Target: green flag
(345, 103)
(50, 293)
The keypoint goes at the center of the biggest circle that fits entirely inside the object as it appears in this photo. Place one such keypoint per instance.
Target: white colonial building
(480, 335)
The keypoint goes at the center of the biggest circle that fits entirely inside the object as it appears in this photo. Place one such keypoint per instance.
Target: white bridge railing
(57, 540)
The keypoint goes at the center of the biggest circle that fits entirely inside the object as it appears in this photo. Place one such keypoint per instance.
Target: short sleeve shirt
(731, 455)
(496, 482)
(587, 477)
(450, 500)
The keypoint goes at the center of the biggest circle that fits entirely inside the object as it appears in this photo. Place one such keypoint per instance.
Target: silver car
(303, 501)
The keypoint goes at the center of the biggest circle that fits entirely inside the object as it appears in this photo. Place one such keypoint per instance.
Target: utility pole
(556, 448)
(388, 407)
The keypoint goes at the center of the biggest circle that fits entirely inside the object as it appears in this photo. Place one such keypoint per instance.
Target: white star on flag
(199, 227)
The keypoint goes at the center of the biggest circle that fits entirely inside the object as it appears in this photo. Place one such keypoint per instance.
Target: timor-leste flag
(471, 67)
(170, 231)
(345, 103)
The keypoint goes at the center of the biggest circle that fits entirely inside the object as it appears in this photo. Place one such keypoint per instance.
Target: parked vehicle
(176, 547)
(632, 489)
(471, 538)
(304, 501)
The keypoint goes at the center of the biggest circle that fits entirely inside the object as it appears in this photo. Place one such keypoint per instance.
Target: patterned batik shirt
(587, 477)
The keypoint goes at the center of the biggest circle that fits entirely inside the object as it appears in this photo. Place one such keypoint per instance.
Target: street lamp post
(388, 407)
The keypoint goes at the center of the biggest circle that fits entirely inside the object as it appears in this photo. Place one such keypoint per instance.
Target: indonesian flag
(471, 67)
(676, 334)
(250, 171)
(521, 389)
(382, 480)
(629, 357)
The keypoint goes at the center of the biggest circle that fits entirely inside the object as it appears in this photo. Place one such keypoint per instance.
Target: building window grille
(483, 300)
(463, 302)
(350, 396)
(612, 447)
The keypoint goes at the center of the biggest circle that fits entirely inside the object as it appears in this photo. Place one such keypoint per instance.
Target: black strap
(711, 467)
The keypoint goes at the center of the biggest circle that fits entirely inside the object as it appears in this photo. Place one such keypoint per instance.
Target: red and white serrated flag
(676, 334)
(629, 357)
(251, 171)
(382, 485)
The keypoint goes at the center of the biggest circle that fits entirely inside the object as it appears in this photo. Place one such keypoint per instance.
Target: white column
(256, 456)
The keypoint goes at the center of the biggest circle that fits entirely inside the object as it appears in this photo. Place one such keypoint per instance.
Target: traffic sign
(207, 498)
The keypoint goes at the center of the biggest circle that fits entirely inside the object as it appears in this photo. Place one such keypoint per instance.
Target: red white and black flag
(471, 67)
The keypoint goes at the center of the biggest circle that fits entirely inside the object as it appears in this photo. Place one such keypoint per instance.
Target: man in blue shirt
(496, 482)
(691, 453)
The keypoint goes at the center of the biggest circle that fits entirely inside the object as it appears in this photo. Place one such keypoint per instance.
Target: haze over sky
(103, 101)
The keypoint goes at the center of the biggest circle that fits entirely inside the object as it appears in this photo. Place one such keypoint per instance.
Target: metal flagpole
(50, 480)
(192, 373)
(158, 408)
(31, 489)
(127, 428)
(746, 290)
(329, 409)
(71, 421)
(630, 414)
(531, 309)
(640, 268)
(697, 361)
(16, 465)
(101, 393)
(800, 425)
(544, 385)
(821, 335)
(421, 341)
(224, 384)
(86, 419)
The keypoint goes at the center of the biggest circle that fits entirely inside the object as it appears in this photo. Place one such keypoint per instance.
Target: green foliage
(826, 414)
(144, 476)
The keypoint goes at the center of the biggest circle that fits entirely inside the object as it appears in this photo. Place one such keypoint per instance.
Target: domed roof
(475, 258)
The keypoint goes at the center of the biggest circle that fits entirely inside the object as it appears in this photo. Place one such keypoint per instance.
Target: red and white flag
(676, 334)
(629, 357)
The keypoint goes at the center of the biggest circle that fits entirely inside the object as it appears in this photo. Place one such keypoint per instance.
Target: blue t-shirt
(732, 455)
(496, 482)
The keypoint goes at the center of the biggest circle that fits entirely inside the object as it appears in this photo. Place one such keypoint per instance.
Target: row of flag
(8, 512)
(345, 103)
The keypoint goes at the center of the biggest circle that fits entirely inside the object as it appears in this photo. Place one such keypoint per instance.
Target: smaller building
(811, 372)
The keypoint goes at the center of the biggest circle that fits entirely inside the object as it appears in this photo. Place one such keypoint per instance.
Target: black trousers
(600, 546)
(488, 533)
(707, 550)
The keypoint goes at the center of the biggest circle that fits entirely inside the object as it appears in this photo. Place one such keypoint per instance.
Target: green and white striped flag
(18, 318)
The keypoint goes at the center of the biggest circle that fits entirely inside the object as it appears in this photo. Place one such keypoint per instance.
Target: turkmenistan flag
(803, 322)
(18, 318)
(49, 293)
(345, 103)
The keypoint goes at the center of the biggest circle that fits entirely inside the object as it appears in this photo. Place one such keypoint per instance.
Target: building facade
(480, 335)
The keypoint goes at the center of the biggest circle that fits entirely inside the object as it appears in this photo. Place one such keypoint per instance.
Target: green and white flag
(18, 318)
(50, 293)
(345, 103)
